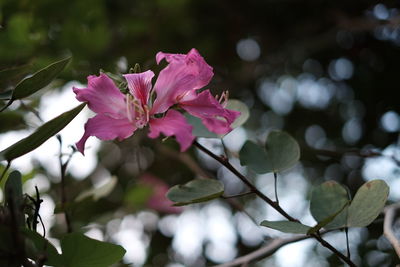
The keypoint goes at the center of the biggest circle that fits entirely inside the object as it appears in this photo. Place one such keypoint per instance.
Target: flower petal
(174, 123)
(216, 118)
(105, 128)
(102, 96)
(184, 73)
(140, 85)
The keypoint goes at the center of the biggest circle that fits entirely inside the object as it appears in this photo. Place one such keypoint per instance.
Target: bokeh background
(326, 72)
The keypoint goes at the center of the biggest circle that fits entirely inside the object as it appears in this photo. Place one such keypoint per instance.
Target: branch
(63, 169)
(225, 162)
(387, 226)
(263, 252)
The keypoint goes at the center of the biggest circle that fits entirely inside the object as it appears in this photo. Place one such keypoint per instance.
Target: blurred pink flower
(120, 115)
(158, 201)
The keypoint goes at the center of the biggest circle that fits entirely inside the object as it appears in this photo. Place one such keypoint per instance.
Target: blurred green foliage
(115, 34)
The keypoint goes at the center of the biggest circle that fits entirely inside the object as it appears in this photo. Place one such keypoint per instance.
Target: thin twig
(387, 226)
(276, 187)
(238, 206)
(263, 252)
(6, 105)
(346, 230)
(63, 168)
(357, 152)
(225, 162)
(31, 109)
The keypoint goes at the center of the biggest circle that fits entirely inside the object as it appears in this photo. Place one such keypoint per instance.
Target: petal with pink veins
(216, 118)
(139, 85)
(183, 74)
(173, 124)
(102, 96)
(105, 128)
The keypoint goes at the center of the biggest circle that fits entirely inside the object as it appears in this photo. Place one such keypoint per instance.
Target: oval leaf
(43, 133)
(238, 105)
(39, 79)
(255, 157)
(199, 190)
(79, 250)
(368, 202)
(283, 151)
(326, 200)
(287, 226)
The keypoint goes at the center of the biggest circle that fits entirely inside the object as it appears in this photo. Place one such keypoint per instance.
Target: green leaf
(43, 133)
(79, 250)
(327, 199)
(238, 105)
(13, 193)
(368, 202)
(38, 246)
(255, 157)
(195, 191)
(287, 226)
(283, 151)
(199, 130)
(39, 79)
(99, 192)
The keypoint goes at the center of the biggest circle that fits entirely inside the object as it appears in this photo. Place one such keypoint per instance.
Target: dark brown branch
(225, 162)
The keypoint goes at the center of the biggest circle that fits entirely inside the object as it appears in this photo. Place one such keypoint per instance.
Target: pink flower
(120, 115)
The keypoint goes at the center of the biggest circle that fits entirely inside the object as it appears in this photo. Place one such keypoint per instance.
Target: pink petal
(105, 128)
(140, 85)
(173, 124)
(184, 73)
(102, 96)
(216, 118)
